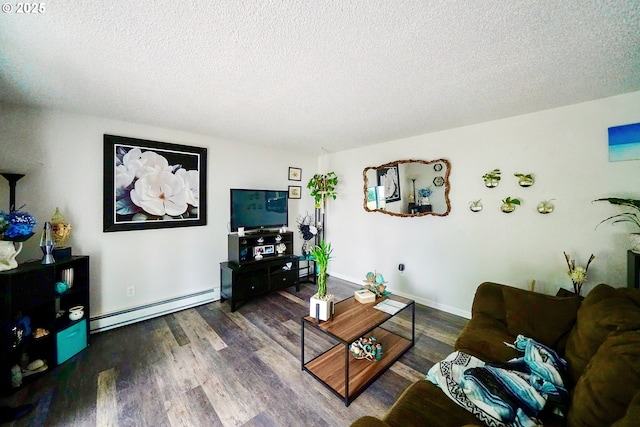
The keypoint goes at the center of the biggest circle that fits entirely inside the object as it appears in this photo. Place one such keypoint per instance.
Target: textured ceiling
(332, 74)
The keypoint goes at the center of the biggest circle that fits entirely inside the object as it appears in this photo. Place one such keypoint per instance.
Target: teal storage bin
(71, 341)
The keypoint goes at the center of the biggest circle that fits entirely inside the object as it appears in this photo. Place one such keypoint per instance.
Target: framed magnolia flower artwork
(150, 184)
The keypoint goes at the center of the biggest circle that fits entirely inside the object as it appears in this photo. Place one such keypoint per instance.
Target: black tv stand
(256, 267)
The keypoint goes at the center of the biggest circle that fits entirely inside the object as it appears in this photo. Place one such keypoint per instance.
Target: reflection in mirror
(408, 188)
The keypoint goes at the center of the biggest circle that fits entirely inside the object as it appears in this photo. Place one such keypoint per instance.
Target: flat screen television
(258, 209)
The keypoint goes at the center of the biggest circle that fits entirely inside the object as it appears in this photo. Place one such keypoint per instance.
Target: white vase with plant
(321, 303)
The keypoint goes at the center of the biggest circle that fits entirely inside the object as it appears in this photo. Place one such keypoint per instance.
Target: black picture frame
(295, 174)
(295, 191)
(389, 178)
(130, 202)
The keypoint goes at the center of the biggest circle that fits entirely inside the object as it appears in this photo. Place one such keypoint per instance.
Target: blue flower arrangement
(16, 226)
(425, 192)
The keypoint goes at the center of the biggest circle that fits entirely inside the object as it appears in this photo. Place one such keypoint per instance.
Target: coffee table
(336, 368)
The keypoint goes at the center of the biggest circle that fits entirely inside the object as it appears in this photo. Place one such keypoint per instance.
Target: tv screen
(255, 209)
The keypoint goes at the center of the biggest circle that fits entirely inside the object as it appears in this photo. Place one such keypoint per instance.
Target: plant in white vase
(322, 254)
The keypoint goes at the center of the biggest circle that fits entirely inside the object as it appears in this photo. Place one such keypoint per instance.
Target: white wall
(62, 157)
(446, 258)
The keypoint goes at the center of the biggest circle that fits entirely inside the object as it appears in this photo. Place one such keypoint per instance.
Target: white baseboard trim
(132, 315)
(419, 300)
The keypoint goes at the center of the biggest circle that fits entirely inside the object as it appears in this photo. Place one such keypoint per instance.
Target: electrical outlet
(131, 291)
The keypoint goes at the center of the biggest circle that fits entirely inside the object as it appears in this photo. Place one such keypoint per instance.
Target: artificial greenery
(624, 216)
(322, 254)
(510, 201)
(494, 175)
(322, 187)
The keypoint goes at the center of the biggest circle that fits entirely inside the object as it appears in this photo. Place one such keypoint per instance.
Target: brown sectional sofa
(598, 336)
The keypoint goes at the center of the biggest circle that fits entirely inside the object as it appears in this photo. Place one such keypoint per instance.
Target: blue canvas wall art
(624, 142)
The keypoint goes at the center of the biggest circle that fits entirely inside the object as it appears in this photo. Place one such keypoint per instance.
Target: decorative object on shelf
(475, 205)
(322, 188)
(424, 196)
(366, 348)
(578, 275)
(524, 180)
(61, 288)
(278, 238)
(631, 217)
(321, 303)
(438, 181)
(545, 207)
(307, 231)
(280, 248)
(491, 179)
(76, 313)
(150, 184)
(47, 244)
(15, 228)
(16, 376)
(295, 174)
(509, 205)
(60, 229)
(375, 283)
(40, 333)
(295, 192)
(67, 276)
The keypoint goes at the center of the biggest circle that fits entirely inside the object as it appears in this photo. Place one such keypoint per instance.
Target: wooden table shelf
(336, 368)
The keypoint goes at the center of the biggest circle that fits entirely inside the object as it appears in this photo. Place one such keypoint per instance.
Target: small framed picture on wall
(295, 174)
(295, 191)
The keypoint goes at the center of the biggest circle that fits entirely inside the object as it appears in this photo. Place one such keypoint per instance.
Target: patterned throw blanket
(523, 392)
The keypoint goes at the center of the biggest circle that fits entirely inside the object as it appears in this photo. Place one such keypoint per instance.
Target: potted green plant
(321, 254)
(509, 204)
(322, 187)
(524, 180)
(475, 205)
(630, 217)
(492, 179)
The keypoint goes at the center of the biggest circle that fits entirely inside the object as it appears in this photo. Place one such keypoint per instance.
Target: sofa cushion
(611, 379)
(424, 404)
(544, 318)
(632, 416)
(484, 338)
(605, 309)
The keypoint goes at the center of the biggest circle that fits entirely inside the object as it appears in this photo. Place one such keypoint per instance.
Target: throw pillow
(605, 309)
(603, 393)
(544, 318)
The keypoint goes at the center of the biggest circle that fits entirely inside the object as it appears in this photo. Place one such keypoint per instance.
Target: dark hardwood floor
(206, 366)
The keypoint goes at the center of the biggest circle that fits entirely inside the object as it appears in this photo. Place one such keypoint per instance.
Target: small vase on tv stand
(8, 253)
(305, 248)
